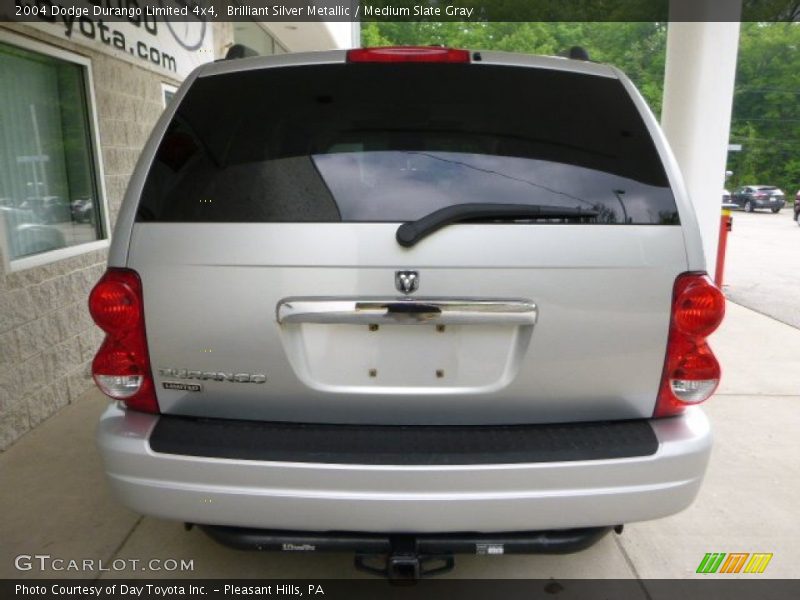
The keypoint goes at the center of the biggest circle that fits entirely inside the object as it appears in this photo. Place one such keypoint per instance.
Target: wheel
(797, 217)
(776, 210)
(748, 206)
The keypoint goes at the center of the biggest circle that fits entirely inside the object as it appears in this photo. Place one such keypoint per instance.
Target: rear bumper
(308, 496)
(769, 203)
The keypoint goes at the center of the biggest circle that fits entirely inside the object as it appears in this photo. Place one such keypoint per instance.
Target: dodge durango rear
(423, 301)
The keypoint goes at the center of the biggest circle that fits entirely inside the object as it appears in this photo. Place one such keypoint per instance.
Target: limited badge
(182, 387)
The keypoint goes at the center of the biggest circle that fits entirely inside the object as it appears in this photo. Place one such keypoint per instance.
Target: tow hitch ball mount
(404, 562)
(408, 557)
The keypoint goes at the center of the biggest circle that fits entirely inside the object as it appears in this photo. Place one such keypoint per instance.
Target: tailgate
(275, 288)
(581, 336)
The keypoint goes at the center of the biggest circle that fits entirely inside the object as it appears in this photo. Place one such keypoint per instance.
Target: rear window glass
(391, 143)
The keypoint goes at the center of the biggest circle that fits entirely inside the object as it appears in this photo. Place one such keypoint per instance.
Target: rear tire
(776, 211)
(797, 217)
(748, 206)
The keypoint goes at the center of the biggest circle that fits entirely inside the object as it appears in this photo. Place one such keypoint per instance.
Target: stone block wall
(47, 338)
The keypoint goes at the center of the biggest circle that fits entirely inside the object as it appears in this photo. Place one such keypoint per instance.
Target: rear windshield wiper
(411, 232)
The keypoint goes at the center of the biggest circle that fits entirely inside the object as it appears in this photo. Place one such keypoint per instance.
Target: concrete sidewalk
(54, 501)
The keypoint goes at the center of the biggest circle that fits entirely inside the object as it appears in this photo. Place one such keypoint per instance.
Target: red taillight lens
(691, 371)
(114, 305)
(394, 54)
(121, 367)
(698, 307)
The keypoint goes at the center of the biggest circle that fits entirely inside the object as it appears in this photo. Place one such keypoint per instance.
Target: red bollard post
(725, 225)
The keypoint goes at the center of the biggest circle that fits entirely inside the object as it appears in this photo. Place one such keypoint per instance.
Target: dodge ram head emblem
(406, 281)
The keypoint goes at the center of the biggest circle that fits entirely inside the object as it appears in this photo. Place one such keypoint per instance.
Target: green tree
(766, 109)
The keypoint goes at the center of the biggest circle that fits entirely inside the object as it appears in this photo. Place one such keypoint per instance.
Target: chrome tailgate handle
(406, 311)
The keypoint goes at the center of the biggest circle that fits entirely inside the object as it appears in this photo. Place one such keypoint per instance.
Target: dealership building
(77, 102)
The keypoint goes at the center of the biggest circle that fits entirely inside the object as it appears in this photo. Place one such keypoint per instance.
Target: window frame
(165, 89)
(44, 258)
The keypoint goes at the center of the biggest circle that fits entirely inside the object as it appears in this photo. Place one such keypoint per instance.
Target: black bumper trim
(402, 445)
(563, 541)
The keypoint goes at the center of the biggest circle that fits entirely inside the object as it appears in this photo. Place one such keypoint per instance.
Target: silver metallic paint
(386, 498)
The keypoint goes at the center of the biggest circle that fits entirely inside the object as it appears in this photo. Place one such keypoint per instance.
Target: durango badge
(213, 375)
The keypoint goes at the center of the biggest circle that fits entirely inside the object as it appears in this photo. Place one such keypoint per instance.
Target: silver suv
(406, 302)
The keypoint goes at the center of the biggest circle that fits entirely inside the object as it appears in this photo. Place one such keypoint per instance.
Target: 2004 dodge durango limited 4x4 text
(406, 302)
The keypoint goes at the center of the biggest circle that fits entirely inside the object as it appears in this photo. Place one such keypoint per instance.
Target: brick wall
(47, 338)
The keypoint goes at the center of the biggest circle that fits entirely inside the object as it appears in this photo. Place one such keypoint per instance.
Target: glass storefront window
(169, 92)
(48, 182)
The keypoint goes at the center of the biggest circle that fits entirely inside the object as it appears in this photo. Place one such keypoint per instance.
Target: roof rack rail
(576, 53)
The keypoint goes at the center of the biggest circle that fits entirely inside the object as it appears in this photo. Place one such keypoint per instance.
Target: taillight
(121, 367)
(418, 54)
(698, 306)
(691, 371)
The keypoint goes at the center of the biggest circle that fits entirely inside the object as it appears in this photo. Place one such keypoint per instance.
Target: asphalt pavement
(762, 266)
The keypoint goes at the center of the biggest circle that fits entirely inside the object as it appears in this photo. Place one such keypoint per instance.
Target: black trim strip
(402, 445)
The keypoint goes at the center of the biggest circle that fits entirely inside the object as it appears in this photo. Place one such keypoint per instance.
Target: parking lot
(763, 264)
(54, 499)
